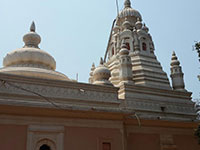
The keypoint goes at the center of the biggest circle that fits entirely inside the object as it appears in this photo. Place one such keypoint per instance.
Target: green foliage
(197, 131)
(197, 48)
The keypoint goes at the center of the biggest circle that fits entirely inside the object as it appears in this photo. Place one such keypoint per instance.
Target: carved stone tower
(176, 74)
(146, 70)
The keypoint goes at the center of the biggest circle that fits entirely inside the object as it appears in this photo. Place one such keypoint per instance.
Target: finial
(32, 39)
(93, 65)
(32, 28)
(174, 60)
(101, 61)
(145, 28)
(127, 3)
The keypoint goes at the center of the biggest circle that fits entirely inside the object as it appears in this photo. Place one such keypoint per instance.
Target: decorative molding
(158, 130)
(61, 92)
(173, 108)
(49, 121)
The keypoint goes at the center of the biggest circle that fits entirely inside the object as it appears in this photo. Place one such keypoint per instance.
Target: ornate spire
(32, 28)
(91, 73)
(174, 60)
(127, 3)
(177, 74)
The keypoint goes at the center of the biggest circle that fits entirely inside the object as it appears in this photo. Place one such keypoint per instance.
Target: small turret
(176, 74)
(125, 70)
(91, 73)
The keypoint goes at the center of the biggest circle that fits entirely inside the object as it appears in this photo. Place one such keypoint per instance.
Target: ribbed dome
(31, 60)
(128, 11)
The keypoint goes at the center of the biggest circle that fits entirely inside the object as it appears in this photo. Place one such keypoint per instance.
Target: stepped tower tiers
(177, 74)
(30, 60)
(146, 69)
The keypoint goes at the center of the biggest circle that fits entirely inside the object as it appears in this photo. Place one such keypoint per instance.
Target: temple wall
(13, 137)
(142, 141)
(158, 138)
(77, 138)
(186, 142)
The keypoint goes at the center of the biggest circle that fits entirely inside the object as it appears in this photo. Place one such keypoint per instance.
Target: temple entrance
(45, 147)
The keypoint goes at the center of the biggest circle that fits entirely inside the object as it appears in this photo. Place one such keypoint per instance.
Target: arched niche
(45, 144)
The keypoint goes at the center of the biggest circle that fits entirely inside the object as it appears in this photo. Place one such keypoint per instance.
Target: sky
(76, 32)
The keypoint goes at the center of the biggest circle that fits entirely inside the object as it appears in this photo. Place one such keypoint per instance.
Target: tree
(197, 48)
(197, 105)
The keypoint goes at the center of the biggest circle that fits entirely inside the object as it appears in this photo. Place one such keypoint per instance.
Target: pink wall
(186, 142)
(13, 137)
(143, 141)
(77, 138)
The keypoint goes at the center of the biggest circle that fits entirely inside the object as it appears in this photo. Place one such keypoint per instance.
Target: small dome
(126, 24)
(101, 75)
(129, 12)
(138, 24)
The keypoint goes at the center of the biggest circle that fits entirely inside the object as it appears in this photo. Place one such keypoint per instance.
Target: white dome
(31, 60)
(129, 12)
(29, 56)
(101, 75)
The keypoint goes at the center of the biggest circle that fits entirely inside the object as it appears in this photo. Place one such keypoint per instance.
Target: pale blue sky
(75, 32)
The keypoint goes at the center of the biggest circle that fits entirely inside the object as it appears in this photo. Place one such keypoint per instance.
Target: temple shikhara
(128, 103)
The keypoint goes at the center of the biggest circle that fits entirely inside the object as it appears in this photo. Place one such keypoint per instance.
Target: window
(113, 52)
(106, 146)
(144, 46)
(45, 147)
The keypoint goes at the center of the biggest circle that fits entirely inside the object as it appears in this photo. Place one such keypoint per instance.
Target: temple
(128, 103)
